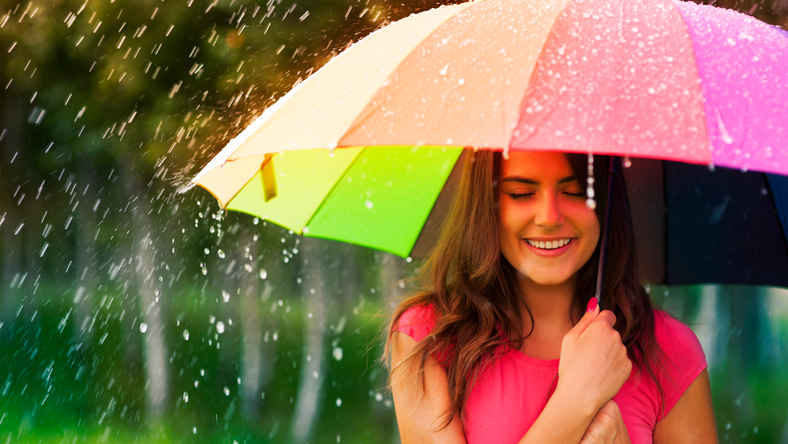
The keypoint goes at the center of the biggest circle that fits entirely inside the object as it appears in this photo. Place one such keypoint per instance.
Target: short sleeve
(417, 322)
(684, 358)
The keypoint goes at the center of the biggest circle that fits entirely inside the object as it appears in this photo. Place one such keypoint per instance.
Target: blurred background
(130, 312)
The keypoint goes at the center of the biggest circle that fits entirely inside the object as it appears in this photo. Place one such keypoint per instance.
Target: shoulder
(674, 337)
(682, 360)
(417, 321)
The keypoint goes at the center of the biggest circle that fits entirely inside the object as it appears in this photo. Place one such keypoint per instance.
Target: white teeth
(549, 245)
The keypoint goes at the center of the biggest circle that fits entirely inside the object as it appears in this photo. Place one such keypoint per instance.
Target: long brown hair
(474, 292)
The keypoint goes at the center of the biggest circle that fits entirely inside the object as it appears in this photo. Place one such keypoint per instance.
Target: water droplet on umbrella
(220, 327)
(206, 251)
(185, 396)
(220, 253)
(339, 402)
(186, 334)
(627, 162)
(263, 274)
(225, 296)
(143, 327)
(226, 391)
(337, 352)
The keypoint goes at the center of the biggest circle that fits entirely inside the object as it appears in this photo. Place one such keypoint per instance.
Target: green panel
(303, 179)
(385, 197)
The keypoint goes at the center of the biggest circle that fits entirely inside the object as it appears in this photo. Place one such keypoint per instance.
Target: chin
(545, 277)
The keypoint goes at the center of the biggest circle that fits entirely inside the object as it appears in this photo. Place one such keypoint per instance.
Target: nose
(549, 214)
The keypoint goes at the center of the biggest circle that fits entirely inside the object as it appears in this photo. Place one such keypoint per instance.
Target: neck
(551, 308)
(550, 303)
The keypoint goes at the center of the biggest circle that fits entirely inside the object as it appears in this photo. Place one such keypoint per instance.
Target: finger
(592, 311)
(607, 316)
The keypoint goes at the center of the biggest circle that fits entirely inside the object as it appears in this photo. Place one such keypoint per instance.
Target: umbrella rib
(268, 159)
(331, 191)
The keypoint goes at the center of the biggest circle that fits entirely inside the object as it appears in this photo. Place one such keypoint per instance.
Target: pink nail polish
(592, 303)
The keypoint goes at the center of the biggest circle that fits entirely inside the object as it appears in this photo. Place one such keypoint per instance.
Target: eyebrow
(527, 181)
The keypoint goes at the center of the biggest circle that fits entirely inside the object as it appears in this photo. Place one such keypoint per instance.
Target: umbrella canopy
(361, 151)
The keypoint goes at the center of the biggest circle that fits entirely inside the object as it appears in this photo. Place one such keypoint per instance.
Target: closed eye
(580, 194)
(519, 196)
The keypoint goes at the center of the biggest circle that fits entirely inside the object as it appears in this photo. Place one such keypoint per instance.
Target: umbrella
(366, 149)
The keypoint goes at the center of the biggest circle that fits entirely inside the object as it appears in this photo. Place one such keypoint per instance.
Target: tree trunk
(307, 406)
(11, 248)
(144, 275)
(257, 362)
(85, 267)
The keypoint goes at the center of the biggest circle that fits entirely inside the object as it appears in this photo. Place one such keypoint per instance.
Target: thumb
(592, 311)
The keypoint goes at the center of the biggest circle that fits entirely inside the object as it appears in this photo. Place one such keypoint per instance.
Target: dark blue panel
(722, 227)
(779, 186)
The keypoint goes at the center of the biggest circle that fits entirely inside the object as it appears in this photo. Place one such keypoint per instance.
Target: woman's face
(547, 232)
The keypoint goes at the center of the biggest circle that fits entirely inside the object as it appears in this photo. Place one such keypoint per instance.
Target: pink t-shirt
(511, 393)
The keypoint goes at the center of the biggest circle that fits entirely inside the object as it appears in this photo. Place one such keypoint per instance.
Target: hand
(607, 427)
(593, 361)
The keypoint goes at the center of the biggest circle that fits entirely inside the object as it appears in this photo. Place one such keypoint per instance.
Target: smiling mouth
(548, 245)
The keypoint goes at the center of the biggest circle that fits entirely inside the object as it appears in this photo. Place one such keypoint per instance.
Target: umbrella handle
(600, 276)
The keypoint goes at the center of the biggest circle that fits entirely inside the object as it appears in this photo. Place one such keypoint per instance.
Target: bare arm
(692, 418)
(419, 415)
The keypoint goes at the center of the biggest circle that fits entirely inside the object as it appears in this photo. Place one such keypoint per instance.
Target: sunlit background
(130, 312)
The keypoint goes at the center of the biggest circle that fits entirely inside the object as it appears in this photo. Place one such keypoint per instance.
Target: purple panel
(743, 65)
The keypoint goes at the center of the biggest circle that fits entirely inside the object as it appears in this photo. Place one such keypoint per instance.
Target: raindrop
(186, 334)
(256, 221)
(378, 397)
(263, 274)
(207, 251)
(143, 327)
(225, 296)
(185, 396)
(337, 353)
(368, 204)
(444, 70)
(220, 327)
(627, 162)
(339, 402)
(728, 426)
(220, 252)
(226, 391)
(590, 202)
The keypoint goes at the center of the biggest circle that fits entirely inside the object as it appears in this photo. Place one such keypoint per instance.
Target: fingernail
(591, 304)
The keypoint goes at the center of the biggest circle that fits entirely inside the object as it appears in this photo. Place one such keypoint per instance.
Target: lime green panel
(384, 198)
(303, 179)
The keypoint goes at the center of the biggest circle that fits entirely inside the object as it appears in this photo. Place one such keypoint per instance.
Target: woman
(506, 344)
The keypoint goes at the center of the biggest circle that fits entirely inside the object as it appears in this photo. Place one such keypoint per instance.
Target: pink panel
(743, 66)
(617, 76)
